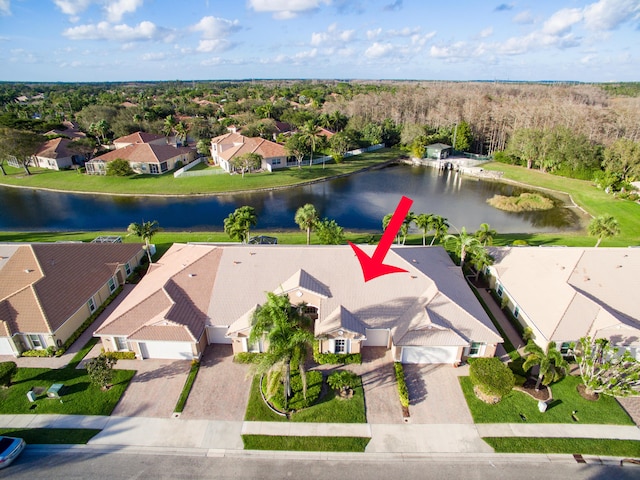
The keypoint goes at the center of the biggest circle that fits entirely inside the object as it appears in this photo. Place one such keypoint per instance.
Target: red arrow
(373, 267)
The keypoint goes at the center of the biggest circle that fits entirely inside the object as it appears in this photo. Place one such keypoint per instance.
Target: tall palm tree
(144, 230)
(485, 234)
(170, 123)
(480, 259)
(182, 130)
(440, 228)
(464, 244)
(603, 226)
(404, 227)
(552, 364)
(311, 133)
(306, 217)
(238, 223)
(288, 337)
(424, 222)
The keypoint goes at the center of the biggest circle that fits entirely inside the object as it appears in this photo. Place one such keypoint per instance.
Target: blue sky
(120, 40)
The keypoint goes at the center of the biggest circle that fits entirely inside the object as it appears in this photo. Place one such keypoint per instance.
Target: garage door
(217, 335)
(429, 354)
(376, 338)
(5, 347)
(170, 350)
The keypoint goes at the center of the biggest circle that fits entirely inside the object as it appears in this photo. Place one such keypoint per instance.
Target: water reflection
(358, 202)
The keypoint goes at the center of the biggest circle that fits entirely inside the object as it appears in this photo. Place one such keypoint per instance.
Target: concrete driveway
(154, 389)
(221, 389)
(435, 393)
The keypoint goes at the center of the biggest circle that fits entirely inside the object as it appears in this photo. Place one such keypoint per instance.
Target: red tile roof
(138, 137)
(144, 153)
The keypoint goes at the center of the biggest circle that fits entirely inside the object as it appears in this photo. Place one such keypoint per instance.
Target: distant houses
(224, 148)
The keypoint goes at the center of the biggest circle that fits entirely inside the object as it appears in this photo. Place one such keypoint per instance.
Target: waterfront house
(150, 158)
(232, 145)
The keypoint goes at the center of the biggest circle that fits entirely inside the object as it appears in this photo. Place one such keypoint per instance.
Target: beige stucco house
(150, 158)
(139, 137)
(565, 293)
(47, 290)
(206, 294)
(231, 145)
(55, 154)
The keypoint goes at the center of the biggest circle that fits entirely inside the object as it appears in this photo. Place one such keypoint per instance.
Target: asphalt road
(38, 462)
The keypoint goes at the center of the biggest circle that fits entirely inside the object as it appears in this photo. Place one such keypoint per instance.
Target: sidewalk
(224, 436)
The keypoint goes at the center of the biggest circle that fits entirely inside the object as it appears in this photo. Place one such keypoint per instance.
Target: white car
(10, 448)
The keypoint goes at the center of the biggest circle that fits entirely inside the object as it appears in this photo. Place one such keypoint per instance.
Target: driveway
(435, 393)
(221, 389)
(154, 389)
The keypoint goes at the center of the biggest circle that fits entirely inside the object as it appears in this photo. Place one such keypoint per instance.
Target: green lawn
(305, 444)
(329, 409)
(40, 436)
(584, 446)
(585, 194)
(566, 399)
(168, 185)
(182, 401)
(79, 396)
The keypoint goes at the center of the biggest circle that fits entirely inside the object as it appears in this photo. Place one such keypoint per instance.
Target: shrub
(342, 379)
(47, 352)
(100, 370)
(403, 391)
(298, 400)
(520, 243)
(7, 371)
(246, 357)
(491, 376)
(120, 355)
(334, 358)
(119, 168)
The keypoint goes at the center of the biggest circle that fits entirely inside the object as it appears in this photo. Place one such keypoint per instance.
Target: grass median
(583, 446)
(51, 436)
(305, 444)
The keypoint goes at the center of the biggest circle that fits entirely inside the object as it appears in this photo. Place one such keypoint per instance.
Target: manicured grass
(566, 399)
(195, 366)
(584, 446)
(167, 184)
(585, 194)
(329, 409)
(79, 396)
(305, 444)
(77, 358)
(41, 436)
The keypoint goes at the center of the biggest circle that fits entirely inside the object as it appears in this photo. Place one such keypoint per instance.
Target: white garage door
(429, 354)
(5, 347)
(217, 335)
(376, 337)
(170, 350)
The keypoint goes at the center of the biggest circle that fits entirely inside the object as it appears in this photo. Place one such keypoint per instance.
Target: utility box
(31, 395)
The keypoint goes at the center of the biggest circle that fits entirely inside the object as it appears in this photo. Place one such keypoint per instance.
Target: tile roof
(144, 153)
(56, 148)
(43, 285)
(571, 292)
(235, 144)
(139, 137)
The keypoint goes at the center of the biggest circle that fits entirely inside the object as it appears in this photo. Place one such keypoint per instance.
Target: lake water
(358, 202)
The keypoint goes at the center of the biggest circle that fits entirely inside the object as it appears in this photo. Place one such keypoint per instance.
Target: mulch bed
(582, 390)
(529, 387)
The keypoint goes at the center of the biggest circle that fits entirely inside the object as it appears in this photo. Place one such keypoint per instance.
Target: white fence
(182, 171)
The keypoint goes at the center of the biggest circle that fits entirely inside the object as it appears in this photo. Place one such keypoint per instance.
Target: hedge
(186, 389)
(246, 357)
(334, 358)
(491, 376)
(120, 355)
(403, 391)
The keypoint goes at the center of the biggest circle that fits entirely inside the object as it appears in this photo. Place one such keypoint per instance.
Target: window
(36, 342)
(476, 349)
(341, 346)
(500, 291)
(112, 285)
(121, 343)
(164, 167)
(153, 168)
(516, 311)
(275, 161)
(564, 348)
(92, 305)
(127, 268)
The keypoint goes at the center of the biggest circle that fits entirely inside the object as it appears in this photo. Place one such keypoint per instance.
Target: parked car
(10, 448)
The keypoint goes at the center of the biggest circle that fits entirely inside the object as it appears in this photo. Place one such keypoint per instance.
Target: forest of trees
(580, 130)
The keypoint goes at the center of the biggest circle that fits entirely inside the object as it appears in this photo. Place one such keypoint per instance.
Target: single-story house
(56, 154)
(147, 158)
(139, 137)
(47, 290)
(565, 293)
(200, 294)
(438, 151)
(232, 145)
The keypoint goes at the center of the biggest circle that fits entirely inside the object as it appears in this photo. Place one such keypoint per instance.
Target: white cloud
(405, 32)
(72, 7)
(378, 50)
(332, 36)
(610, 14)
(487, 32)
(115, 10)
(154, 56)
(524, 18)
(5, 7)
(286, 9)
(214, 45)
(421, 40)
(562, 21)
(215, 27)
(371, 34)
(120, 33)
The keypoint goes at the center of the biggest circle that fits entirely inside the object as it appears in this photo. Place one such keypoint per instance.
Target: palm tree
(182, 130)
(288, 337)
(424, 222)
(485, 234)
(404, 228)
(440, 228)
(170, 123)
(464, 244)
(480, 259)
(306, 217)
(552, 364)
(238, 223)
(603, 226)
(144, 230)
(311, 132)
